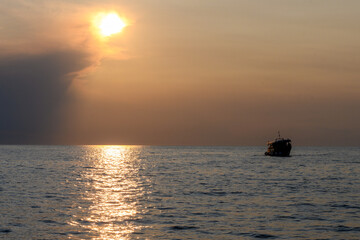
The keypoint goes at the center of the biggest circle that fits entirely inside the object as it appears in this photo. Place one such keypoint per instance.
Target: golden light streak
(113, 192)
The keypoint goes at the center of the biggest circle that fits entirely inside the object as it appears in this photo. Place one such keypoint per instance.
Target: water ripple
(132, 192)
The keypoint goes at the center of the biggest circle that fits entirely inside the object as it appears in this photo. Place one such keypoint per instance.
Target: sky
(182, 72)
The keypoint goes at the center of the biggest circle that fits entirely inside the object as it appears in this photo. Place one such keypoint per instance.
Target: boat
(280, 147)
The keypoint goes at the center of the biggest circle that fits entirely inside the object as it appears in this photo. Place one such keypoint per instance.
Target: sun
(109, 23)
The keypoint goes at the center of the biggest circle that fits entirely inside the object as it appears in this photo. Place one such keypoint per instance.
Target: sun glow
(109, 24)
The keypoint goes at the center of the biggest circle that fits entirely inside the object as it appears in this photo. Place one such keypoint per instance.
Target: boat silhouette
(280, 147)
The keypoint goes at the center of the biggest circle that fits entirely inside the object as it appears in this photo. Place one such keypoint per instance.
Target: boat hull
(278, 154)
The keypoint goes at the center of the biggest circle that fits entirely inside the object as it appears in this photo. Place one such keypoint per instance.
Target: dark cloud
(33, 89)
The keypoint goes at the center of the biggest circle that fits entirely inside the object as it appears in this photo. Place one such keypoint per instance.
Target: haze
(182, 72)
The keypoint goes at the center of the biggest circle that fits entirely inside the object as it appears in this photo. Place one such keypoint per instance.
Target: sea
(185, 192)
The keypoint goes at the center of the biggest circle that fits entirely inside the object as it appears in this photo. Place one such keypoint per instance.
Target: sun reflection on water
(113, 192)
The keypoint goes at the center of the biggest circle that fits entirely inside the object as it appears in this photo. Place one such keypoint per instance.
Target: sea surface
(148, 192)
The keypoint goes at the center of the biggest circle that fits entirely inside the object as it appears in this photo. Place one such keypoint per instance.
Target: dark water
(115, 192)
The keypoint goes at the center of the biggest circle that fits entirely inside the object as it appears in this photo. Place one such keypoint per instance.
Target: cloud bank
(33, 90)
(43, 49)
